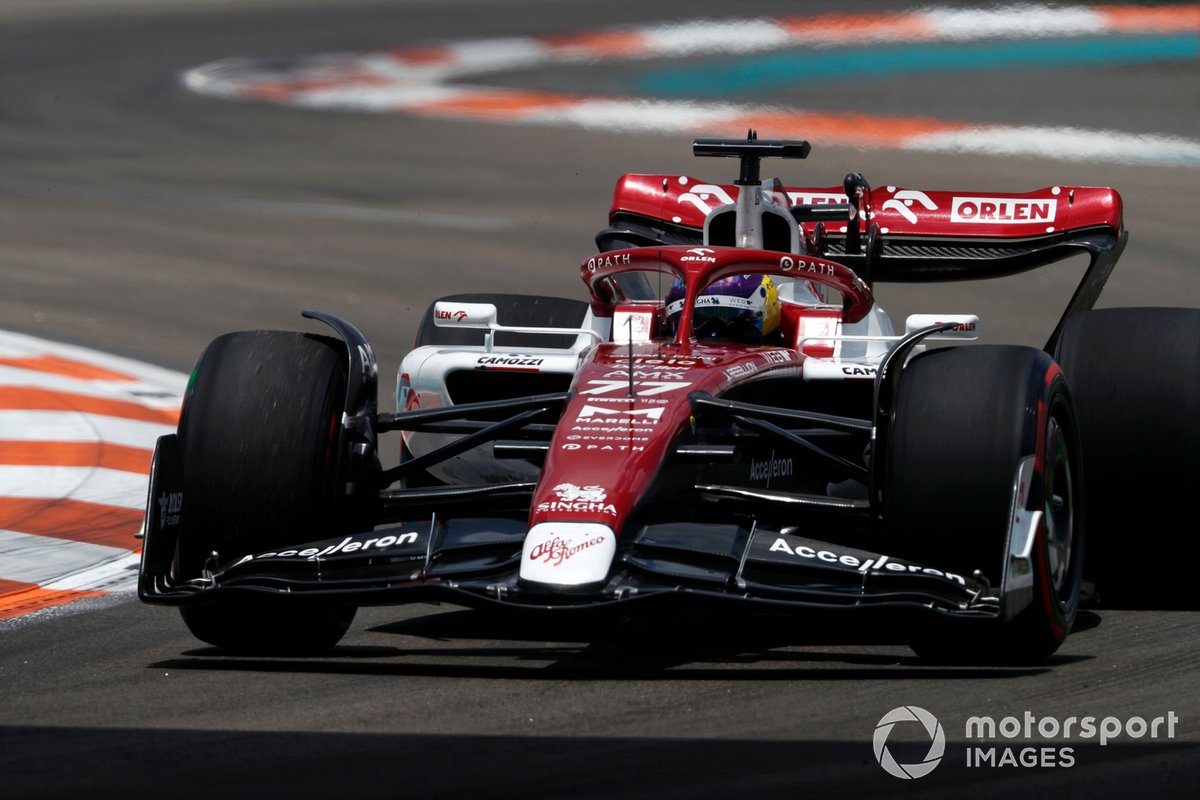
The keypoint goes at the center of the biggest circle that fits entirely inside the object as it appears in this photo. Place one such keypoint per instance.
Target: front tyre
(966, 420)
(259, 437)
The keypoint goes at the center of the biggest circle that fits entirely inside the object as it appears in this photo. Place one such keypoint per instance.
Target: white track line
(73, 426)
(107, 487)
(43, 560)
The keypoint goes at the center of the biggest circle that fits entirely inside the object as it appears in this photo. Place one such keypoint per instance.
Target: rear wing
(896, 235)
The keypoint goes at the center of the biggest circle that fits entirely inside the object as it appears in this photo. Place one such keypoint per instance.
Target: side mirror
(482, 316)
(464, 315)
(966, 325)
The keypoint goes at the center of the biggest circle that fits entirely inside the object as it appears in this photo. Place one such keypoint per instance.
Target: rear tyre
(1136, 384)
(965, 419)
(258, 436)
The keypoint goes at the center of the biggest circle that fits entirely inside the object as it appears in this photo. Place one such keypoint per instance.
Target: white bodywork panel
(426, 369)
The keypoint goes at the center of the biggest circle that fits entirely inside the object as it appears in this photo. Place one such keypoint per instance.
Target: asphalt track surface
(143, 220)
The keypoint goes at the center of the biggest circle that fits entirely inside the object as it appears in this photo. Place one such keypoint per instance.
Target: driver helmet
(744, 308)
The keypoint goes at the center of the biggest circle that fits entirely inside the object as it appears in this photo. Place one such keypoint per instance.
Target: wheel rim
(1059, 511)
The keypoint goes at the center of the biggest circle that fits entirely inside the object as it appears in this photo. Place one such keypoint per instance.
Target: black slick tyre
(965, 420)
(1135, 379)
(258, 437)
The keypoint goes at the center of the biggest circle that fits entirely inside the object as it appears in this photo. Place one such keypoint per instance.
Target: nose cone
(568, 553)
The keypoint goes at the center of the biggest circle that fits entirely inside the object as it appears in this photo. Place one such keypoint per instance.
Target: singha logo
(569, 493)
(584, 499)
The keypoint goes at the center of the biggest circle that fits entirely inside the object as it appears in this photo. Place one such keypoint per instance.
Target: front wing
(475, 562)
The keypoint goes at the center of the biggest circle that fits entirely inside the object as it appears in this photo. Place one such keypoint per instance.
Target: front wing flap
(475, 562)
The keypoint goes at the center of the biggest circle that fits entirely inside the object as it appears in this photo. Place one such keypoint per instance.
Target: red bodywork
(686, 201)
(614, 443)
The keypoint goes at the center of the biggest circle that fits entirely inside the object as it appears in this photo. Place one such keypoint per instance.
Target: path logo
(937, 738)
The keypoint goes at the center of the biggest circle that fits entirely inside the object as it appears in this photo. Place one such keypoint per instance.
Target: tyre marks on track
(429, 81)
(77, 432)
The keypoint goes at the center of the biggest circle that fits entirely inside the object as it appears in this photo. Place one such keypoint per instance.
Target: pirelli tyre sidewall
(259, 439)
(1135, 379)
(965, 419)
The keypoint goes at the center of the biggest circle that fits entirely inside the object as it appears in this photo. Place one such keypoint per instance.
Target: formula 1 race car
(729, 420)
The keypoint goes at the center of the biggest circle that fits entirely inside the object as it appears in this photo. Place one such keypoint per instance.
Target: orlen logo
(810, 199)
(703, 254)
(1002, 210)
(902, 201)
(705, 197)
(937, 742)
(457, 316)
